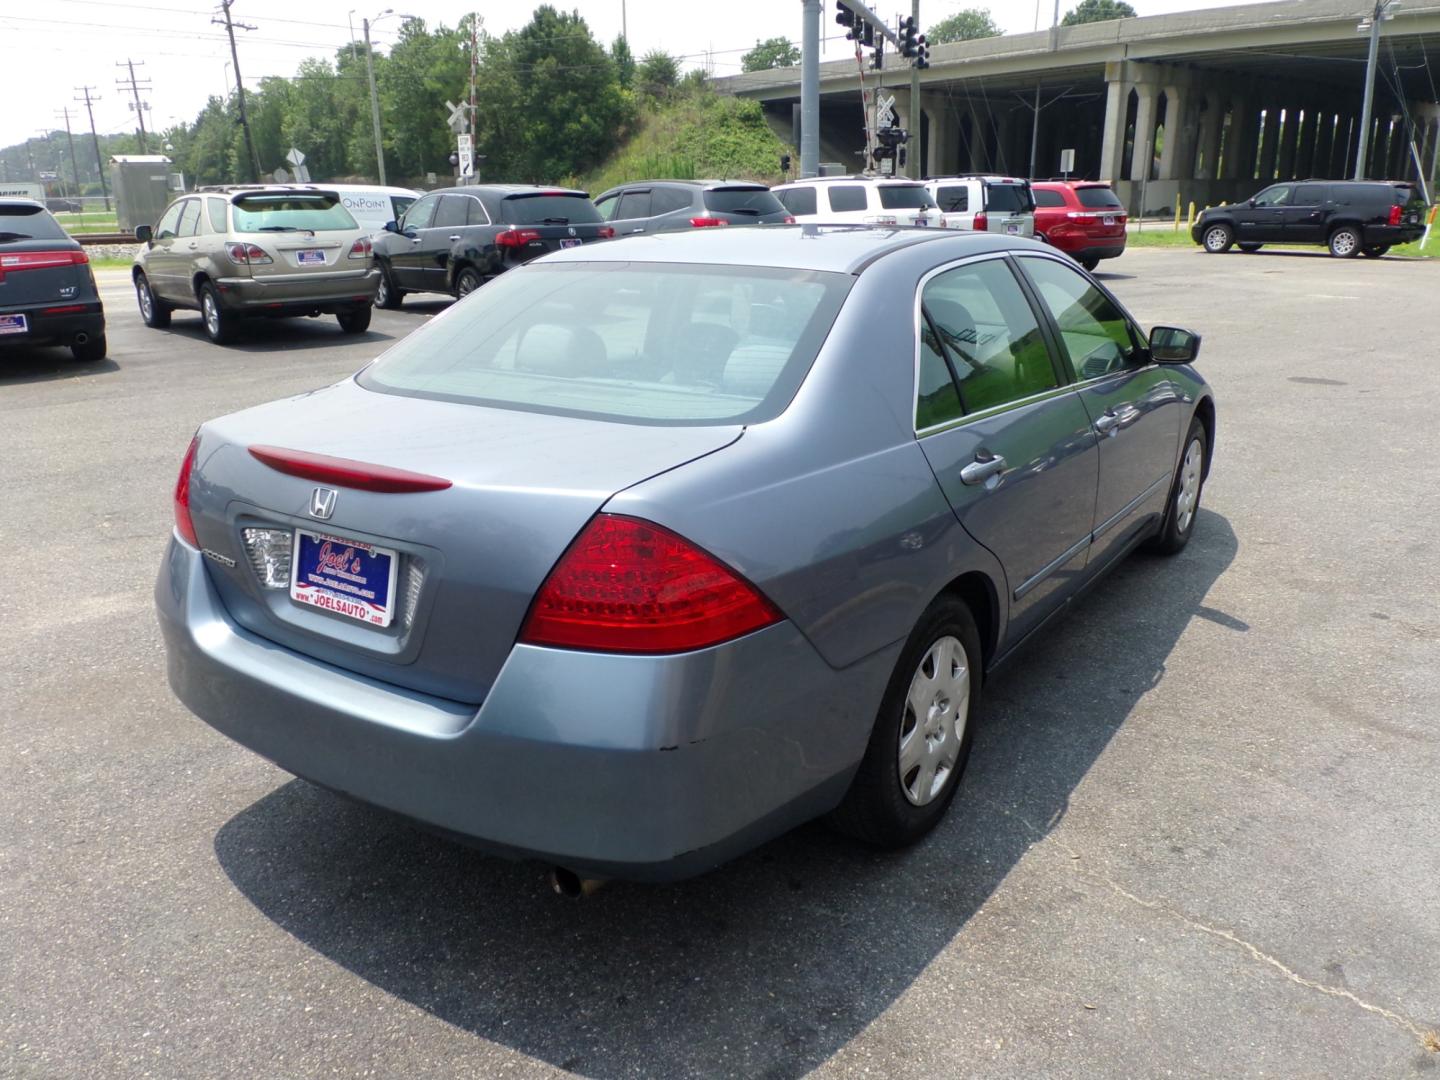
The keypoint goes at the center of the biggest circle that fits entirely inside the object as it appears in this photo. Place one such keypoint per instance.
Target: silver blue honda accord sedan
(649, 551)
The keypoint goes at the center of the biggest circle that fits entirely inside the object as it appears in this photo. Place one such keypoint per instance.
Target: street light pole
(374, 103)
(1363, 151)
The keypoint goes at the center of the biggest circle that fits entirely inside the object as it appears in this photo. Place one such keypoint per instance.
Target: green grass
(97, 222)
(110, 264)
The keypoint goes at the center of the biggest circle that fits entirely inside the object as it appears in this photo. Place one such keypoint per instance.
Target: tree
(775, 52)
(624, 62)
(966, 25)
(1088, 11)
(658, 73)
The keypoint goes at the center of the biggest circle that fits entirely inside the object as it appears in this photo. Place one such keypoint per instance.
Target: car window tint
(475, 211)
(651, 344)
(798, 200)
(953, 198)
(990, 334)
(936, 397)
(845, 198)
(634, 204)
(607, 206)
(399, 204)
(668, 200)
(21, 221)
(1044, 197)
(1308, 195)
(289, 212)
(216, 209)
(452, 212)
(189, 218)
(904, 197)
(1008, 198)
(168, 222)
(742, 200)
(420, 215)
(1279, 195)
(1095, 332)
(549, 208)
(1098, 198)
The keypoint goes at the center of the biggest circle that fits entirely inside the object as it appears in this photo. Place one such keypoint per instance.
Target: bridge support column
(1269, 143)
(1305, 147)
(1212, 127)
(1117, 105)
(1324, 142)
(1178, 139)
(1240, 147)
(1142, 156)
(1287, 144)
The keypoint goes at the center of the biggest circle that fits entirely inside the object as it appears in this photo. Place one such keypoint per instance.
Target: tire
(467, 281)
(1217, 239)
(388, 296)
(354, 321)
(1345, 242)
(92, 352)
(1375, 251)
(1182, 505)
(891, 808)
(1249, 248)
(154, 312)
(1090, 264)
(219, 324)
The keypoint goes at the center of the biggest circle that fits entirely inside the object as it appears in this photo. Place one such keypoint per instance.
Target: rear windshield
(265, 212)
(574, 209)
(905, 197)
(1098, 198)
(755, 201)
(669, 345)
(1406, 194)
(21, 222)
(1008, 197)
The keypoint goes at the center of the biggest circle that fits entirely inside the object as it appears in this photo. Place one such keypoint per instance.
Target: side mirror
(1173, 345)
(391, 226)
(144, 233)
(409, 232)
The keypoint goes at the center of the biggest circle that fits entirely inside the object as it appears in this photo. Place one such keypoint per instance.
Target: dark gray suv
(648, 206)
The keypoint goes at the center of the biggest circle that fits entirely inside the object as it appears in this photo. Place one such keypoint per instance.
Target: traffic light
(877, 58)
(844, 16)
(906, 33)
(785, 163)
(867, 36)
(922, 53)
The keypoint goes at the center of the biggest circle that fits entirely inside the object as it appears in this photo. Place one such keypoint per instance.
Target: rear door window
(1009, 198)
(738, 200)
(953, 198)
(905, 197)
(555, 208)
(1047, 199)
(846, 198)
(1308, 195)
(798, 201)
(452, 213)
(476, 214)
(937, 399)
(668, 200)
(634, 204)
(1098, 198)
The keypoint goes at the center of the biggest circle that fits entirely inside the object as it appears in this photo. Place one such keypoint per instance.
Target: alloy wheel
(1188, 496)
(211, 313)
(932, 727)
(147, 303)
(1217, 239)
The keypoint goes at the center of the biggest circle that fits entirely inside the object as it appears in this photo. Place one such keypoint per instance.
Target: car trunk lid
(302, 234)
(39, 262)
(543, 221)
(469, 555)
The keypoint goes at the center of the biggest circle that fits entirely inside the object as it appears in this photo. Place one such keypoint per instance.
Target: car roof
(845, 249)
(809, 180)
(706, 184)
(504, 190)
(20, 200)
(994, 178)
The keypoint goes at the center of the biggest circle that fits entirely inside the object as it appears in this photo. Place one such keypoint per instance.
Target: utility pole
(374, 102)
(1379, 12)
(810, 90)
(99, 162)
(138, 107)
(1035, 126)
(240, 85)
(74, 165)
(915, 121)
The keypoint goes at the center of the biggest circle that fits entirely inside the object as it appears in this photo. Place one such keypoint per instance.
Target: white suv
(859, 200)
(998, 204)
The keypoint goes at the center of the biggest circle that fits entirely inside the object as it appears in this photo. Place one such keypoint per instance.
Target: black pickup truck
(455, 239)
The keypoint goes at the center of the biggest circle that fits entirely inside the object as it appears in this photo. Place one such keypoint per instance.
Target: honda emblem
(322, 503)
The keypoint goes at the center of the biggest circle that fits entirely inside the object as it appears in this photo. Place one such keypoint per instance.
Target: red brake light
(707, 222)
(626, 585)
(516, 238)
(41, 260)
(606, 232)
(343, 472)
(1396, 213)
(981, 222)
(360, 249)
(247, 254)
(183, 525)
(789, 219)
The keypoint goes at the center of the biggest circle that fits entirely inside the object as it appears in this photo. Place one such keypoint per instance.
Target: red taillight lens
(360, 249)
(247, 254)
(344, 472)
(789, 219)
(707, 222)
(41, 260)
(606, 232)
(1396, 213)
(627, 585)
(982, 223)
(516, 238)
(183, 525)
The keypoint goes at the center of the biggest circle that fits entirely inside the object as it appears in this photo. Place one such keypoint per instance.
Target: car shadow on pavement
(765, 967)
(43, 364)
(276, 335)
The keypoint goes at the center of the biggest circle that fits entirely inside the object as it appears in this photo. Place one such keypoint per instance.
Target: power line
(137, 106)
(240, 85)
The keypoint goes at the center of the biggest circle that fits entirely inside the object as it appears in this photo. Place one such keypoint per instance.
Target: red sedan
(1081, 218)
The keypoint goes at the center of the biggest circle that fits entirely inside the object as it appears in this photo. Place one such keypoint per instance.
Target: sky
(54, 46)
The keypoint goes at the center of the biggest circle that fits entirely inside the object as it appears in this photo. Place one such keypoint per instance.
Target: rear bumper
(649, 768)
(63, 329)
(1393, 234)
(300, 292)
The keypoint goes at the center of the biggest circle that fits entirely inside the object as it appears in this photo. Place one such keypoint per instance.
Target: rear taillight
(626, 585)
(183, 525)
(982, 223)
(1396, 213)
(247, 254)
(789, 219)
(345, 472)
(41, 260)
(882, 219)
(516, 238)
(360, 249)
(606, 232)
(707, 222)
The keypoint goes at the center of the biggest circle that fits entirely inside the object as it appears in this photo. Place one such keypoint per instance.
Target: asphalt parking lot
(1197, 836)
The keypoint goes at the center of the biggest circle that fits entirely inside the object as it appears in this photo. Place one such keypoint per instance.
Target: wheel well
(197, 281)
(1353, 225)
(1205, 413)
(978, 592)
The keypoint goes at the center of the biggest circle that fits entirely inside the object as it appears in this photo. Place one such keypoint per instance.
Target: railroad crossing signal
(457, 119)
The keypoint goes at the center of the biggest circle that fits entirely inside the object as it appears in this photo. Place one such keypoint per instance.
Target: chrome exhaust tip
(571, 885)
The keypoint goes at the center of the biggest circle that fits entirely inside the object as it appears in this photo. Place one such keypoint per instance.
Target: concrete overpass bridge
(1209, 105)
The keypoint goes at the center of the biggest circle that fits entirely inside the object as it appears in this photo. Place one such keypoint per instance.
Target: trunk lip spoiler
(347, 472)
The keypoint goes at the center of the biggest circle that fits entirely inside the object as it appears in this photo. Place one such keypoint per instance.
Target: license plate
(347, 577)
(1110, 220)
(1012, 230)
(310, 258)
(569, 243)
(14, 324)
(922, 221)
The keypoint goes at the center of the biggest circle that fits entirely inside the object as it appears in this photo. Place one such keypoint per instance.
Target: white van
(859, 200)
(372, 207)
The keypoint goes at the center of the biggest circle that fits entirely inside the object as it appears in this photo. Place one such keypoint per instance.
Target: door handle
(416, 239)
(1107, 423)
(192, 245)
(982, 468)
(639, 230)
(456, 236)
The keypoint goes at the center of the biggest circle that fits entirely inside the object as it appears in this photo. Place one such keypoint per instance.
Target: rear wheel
(922, 735)
(1218, 238)
(467, 281)
(1089, 264)
(1249, 248)
(1374, 251)
(154, 312)
(1345, 242)
(219, 323)
(90, 352)
(1184, 503)
(354, 321)
(387, 296)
